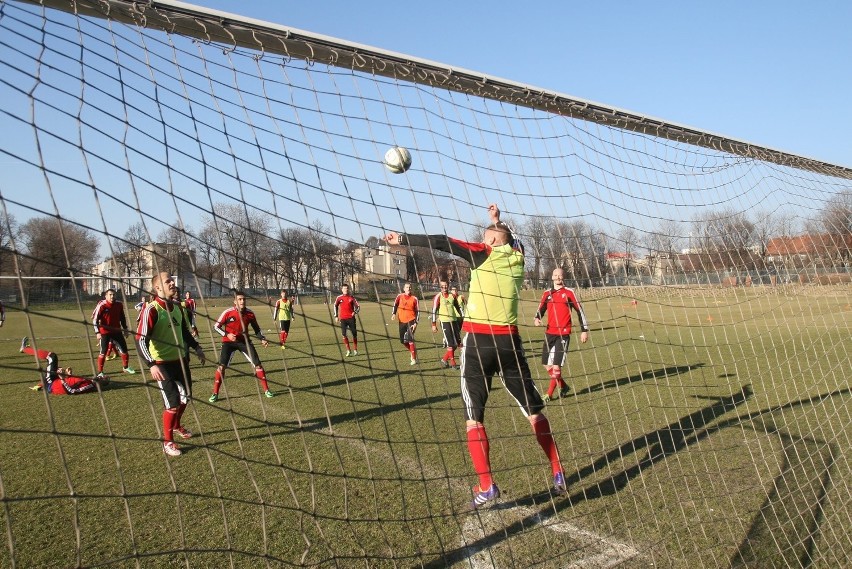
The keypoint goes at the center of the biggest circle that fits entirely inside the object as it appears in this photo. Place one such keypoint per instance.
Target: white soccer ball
(398, 159)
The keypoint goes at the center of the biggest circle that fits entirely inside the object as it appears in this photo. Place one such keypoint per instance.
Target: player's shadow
(660, 373)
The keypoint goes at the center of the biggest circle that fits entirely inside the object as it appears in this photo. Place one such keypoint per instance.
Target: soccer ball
(398, 159)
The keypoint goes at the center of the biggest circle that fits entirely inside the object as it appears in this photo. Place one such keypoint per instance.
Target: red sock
(447, 355)
(101, 359)
(169, 422)
(452, 356)
(541, 427)
(477, 446)
(413, 350)
(217, 381)
(262, 377)
(181, 408)
(125, 359)
(557, 375)
(346, 343)
(42, 354)
(283, 338)
(355, 341)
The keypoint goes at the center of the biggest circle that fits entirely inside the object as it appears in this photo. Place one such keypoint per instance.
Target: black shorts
(284, 325)
(484, 355)
(554, 349)
(452, 333)
(118, 341)
(247, 349)
(176, 388)
(406, 334)
(349, 324)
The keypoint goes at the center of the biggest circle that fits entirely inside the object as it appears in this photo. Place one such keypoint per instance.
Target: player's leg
(479, 367)
(171, 402)
(412, 346)
(184, 386)
(120, 345)
(559, 363)
(103, 345)
(344, 326)
(254, 359)
(548, 352)
(224, 361)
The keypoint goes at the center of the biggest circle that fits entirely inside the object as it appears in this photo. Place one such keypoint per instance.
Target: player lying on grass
(60, 380)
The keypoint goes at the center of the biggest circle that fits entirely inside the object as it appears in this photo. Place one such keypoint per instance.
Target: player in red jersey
(557, 304)
(188, 304)
(61, 380)
(493, 345)
(2, 314)
(406, 309)
(111, 326)
(446, 308)
(233, 325)
(345, 309)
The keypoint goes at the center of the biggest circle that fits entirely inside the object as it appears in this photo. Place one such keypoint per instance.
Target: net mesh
(707, 421)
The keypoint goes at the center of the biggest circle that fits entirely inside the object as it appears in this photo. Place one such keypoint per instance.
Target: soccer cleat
(269, 394)
(36, 387)
(563, 392)
(100, 376)
(559, 484)
(129, 370)
(355, 353)
(111, 357)
(183, 432)
(456, 367)
(482, 497)
(24, 343)
(413, 362)
(283, 347)
(348, 353)
(171, 449)
(445, 364)
(214, 398)
(547, 398)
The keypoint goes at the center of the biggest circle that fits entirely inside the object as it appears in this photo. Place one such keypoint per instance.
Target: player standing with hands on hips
(492, 344)
(557, 304)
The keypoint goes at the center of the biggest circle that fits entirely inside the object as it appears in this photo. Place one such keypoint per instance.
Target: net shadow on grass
(643, 376)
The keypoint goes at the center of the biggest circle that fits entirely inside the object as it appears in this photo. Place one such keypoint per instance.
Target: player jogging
(557, 304)
(162, 338)
(188, 304)
(111, 326)
(445, 307)
(61, 380)
(345, 309)
(233, 325)
(492, 344)
(283, 313)
(406, 309)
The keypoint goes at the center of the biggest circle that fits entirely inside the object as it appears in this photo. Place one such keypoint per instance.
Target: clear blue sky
(772, 73)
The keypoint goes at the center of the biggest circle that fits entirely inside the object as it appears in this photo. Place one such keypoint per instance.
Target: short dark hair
(107, 290)
(238, 293)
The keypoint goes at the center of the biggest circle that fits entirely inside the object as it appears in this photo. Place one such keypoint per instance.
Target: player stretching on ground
(233, 325)
(284, 315)
(557, 304)
(161, 340)
(445, 307)
(345, 309)
(60, 380)
(492, 344)
(111, 326)
(406, 309)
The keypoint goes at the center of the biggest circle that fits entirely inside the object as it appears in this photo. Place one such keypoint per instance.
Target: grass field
(704, 429)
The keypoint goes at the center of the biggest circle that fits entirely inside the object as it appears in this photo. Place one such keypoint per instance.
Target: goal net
(705, 422)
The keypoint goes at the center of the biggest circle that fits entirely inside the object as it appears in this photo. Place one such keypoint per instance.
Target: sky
(776, 74)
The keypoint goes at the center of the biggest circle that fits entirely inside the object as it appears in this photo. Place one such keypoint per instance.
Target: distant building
(382, 262)
(131, 271)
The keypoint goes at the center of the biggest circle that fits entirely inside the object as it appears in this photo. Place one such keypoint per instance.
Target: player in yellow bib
(492, 344)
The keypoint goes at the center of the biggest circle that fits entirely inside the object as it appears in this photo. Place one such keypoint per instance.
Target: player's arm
(436, 305)
(220, 322)
(122, 320)
(475, 253)
(395, 307)
(147, 320)
(416, 310)
(337, 308)
(356, 307)
(581, 314)
(96, 319)
(542, 309)
(191, 341)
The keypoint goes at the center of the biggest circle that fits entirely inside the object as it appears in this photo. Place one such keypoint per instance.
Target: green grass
(704, 429)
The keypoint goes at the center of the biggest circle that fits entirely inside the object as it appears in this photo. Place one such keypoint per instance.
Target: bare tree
(242, 238)
(8, 235)
(535, 235)
(56, 248)
(836, 216)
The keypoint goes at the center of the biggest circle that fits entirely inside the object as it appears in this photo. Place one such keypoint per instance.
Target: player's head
(109, 294)
(497, 234)
(344, 289)
(406, 288)
(187, 295)
(443, 285)
(239, 299)
(558, 277)
(283, 294)
(454, 289)
(163, 285)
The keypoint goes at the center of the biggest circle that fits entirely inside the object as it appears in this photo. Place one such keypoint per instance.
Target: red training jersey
(231, 321)
(346, 307)
(108, 317)
(557, 303)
